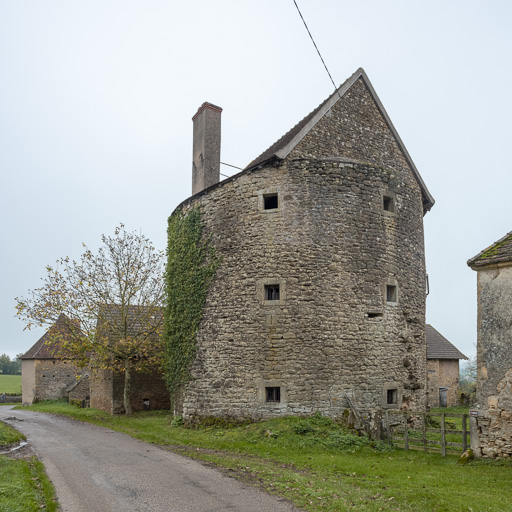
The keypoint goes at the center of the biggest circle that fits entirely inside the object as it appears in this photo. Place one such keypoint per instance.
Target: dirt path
(95, 469)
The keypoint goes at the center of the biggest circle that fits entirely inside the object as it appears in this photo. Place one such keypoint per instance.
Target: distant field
(10, 384)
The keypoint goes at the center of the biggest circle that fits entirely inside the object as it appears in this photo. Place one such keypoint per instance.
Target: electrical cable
(229, 165)
(318, 51)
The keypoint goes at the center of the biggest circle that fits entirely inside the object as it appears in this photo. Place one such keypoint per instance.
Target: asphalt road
(95, 469)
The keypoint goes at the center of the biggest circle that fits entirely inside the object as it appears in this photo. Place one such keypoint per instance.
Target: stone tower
(319, 301)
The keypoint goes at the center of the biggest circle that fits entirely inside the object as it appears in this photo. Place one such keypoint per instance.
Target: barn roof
(48, 345)
(498, 252)
(140, 320)
(438, 347)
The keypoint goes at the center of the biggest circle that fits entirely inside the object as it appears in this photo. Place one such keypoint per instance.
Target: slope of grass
(24, 486)
(318, 465)
(9, 435)
(10, 384)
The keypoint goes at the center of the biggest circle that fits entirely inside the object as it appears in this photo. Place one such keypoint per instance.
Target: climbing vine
(191, 266)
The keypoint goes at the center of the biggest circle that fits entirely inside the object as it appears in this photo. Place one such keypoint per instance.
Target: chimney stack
(206, 151)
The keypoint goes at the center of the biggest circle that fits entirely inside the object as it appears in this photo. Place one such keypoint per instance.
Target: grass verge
(24, 486)
(318, 465)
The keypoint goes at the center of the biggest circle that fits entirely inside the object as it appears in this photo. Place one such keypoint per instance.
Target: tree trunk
(127, 388)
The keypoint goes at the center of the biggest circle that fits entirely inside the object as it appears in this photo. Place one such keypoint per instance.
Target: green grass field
(318, 465)
(10, 384)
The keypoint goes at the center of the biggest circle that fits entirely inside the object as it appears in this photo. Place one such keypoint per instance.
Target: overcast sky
(96, 101)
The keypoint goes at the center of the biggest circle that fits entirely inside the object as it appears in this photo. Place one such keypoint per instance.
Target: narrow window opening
(372, 315)
(145, 403)
(388, 204)
(270, 201)
(272, 292)
(273, 394)
(53, 362)
(392, 396)
(390, 293)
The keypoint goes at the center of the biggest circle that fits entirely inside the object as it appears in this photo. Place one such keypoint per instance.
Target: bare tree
(112, 302)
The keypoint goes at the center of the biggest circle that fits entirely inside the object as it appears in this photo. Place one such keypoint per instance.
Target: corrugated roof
(47, 347)
(498, 252)
(438, 347)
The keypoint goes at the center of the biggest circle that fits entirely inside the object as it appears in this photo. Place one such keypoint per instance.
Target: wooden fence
(423, 430)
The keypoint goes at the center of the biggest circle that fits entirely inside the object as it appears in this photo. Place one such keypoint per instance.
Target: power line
(318, 51)
(229, 165)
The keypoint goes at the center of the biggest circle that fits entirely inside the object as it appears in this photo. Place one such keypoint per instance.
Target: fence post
(464, 432)
(423, 431)
(406, 433)
(388, 428)
(443, 435)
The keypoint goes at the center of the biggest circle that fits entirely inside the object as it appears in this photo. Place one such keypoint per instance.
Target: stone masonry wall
(333, 250)
(52, 377)
(101, 390)
(494, 362)
(108, 387)
(82, 391)
(443, 373)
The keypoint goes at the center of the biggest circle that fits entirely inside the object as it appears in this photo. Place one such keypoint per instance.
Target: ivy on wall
(191, 266)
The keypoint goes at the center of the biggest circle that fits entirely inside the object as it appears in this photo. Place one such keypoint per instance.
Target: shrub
(177, 421)
(346, 442)
(304, 428)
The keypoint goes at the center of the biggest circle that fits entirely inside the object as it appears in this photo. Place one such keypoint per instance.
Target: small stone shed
(44, 374)
(442, 369)
(493, 425)
(148, 388)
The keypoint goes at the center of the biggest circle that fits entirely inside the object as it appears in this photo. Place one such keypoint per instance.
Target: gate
(428, 431)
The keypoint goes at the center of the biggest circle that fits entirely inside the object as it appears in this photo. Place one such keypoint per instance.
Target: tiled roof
(48, 345)
(498, 252)
(438, 347)
(140, 320)
(281, 148)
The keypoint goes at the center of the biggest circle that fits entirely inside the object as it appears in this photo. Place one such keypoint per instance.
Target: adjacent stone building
(494, 350)
(319, 300)
(45, 375)
(148, 388)
(442, 370)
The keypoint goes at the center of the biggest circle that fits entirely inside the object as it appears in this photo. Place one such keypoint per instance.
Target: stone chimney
(206, 152)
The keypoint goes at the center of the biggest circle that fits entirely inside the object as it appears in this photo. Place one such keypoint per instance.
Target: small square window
(270, 201)
(388, 204)
(391, 293)
(392, 395)
(273, 394)
(271, 292)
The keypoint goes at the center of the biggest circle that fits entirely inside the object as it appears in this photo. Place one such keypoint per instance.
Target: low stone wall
(494, 434)
(10, 399)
